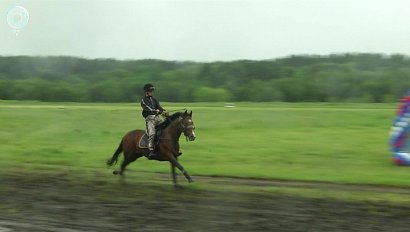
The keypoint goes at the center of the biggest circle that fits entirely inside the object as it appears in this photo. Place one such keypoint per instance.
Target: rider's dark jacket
(150, 105)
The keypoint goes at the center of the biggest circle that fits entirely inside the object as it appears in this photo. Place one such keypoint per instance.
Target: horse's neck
(173, 129)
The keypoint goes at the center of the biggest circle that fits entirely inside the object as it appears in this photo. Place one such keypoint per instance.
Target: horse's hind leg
(127, 160)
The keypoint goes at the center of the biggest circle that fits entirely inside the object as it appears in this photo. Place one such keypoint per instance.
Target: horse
(167, 146)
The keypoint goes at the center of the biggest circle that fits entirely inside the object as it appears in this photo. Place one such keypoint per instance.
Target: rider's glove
(165, 113)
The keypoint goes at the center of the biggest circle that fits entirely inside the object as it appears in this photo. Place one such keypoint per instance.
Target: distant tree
(208, 94)
(336, 77)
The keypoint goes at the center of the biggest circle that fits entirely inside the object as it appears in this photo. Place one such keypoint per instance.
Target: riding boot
(151, 154)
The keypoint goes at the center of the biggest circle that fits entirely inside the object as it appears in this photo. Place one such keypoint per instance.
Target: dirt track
(61, 203)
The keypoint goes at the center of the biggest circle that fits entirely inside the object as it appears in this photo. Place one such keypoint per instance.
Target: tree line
(307, 78)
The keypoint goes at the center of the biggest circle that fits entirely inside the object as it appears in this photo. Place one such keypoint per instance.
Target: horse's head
(187, 126)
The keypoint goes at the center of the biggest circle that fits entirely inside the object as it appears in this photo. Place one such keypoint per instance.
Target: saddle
(143, 143)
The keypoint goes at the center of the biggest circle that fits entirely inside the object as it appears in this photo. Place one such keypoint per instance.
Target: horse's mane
(168, 120)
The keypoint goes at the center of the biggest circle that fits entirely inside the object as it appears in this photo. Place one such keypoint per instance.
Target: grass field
(341, 143)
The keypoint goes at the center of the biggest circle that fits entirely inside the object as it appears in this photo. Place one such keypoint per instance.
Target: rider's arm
(159, 107)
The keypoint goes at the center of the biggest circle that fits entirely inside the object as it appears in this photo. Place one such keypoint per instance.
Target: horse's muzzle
(191, 137)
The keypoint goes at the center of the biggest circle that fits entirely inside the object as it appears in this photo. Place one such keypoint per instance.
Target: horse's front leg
(175, 163)
(173, 174)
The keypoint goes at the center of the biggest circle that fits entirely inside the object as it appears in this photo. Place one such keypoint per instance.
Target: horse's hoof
(115, 172)
(191, 181)
(177, 186)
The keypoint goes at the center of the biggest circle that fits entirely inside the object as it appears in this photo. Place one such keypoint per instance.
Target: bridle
(184, 128)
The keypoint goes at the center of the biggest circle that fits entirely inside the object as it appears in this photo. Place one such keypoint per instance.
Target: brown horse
(167, 147)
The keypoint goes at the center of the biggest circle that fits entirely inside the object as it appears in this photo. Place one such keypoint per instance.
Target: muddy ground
(61, 202)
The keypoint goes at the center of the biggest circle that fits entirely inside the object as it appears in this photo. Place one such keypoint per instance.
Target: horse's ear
(186, 112)
(190, 114)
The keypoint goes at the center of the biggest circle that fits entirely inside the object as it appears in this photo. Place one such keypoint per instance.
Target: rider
(150, 111)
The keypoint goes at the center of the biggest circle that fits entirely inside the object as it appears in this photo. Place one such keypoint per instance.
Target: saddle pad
(143, 143)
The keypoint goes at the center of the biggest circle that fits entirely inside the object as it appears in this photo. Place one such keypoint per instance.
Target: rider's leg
(151, 122)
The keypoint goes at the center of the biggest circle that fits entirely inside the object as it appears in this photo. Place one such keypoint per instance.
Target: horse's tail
(114, 158)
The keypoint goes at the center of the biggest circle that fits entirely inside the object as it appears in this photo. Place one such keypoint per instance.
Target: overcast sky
(206, 30)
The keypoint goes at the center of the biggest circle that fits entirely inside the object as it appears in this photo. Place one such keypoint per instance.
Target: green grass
(342, 143)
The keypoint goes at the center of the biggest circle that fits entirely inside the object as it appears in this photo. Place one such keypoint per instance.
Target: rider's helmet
(148, 87)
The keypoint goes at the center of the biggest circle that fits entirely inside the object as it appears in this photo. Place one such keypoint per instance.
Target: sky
(204, 30)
